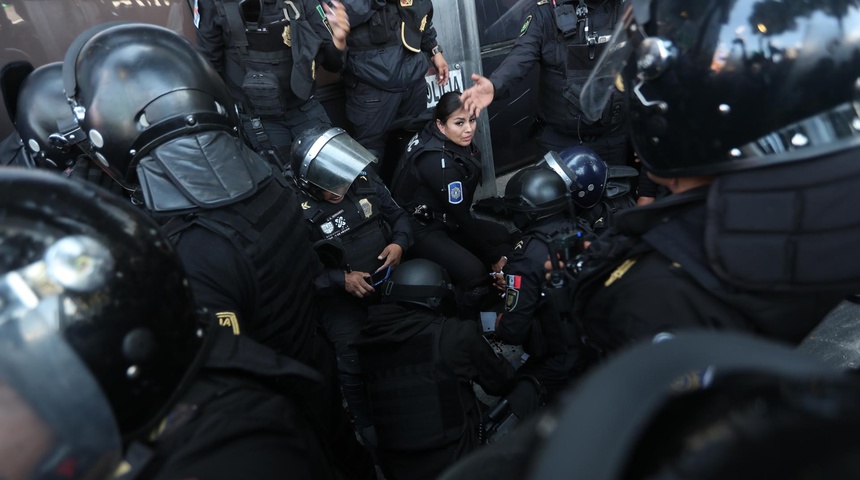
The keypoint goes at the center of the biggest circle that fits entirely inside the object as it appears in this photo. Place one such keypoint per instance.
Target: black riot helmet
(584, 172)
(326, 158)
(716, 86)
(44, 119)
(90, 289)
(535, 193)
(421, 282)
(135, 87)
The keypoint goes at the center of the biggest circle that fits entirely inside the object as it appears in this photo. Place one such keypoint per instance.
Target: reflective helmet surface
(136, 86)
(716, 86)
(590, 175)
(420, 282)
(44, 118)
(536, 191)
(104, 282)
(327, 158)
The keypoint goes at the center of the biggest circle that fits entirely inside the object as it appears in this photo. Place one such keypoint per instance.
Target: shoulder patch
(229, 320)
(455, 192)
(619, 272)
(525, 26)
(514, 281)
(511, 298)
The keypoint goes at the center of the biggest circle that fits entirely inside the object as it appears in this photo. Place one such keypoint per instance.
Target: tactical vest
(269, 64)
(407, 188)
(415, 399)
(262, 228)
(389, 26)
(558, 331)
(576, 56)
(356, 221)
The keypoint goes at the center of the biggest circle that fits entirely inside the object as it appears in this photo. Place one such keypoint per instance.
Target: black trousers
(282, 131)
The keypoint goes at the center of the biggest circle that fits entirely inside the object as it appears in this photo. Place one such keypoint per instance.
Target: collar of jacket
(638, 220)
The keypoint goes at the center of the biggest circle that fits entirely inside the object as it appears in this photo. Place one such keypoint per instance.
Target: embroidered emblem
(313, 69)
(519, 245)
(619, 272)
(525, 26)
(306, 205)
(511, 298)
(366, 207)
(405, 3)
(229, 320)
(327, 228)
(423, 24)
(455, 193)
(412, 143)
(288, 40)
(514, 281)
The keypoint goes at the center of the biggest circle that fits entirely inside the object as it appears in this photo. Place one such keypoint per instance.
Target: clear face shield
(333, 161)
(55, 419)
(605, 78)
(553, 161)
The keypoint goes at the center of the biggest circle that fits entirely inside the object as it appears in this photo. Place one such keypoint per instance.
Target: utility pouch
(263, 92)
(379, 31)
(566, 19)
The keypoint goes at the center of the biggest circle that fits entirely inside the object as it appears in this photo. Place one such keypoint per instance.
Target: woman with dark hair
(435, 182)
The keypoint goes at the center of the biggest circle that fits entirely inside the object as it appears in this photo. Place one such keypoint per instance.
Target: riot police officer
(106, 361)
(267, 51)
(598, 190)
(700, 405)
(436, 181)
(344, 202)
(389, 47)
(45, 127)
(751, 237)
(538, 201)
(566, 38)
(174, 140)
(420, 363)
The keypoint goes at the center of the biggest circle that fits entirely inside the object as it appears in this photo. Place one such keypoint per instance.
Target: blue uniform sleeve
(394, 215)
(524, 277)
(210, 35)
(526, 52)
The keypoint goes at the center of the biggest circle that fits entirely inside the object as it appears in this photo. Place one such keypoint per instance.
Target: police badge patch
(525, 26)
(366, 207)
(455, 193)
(327, 228)
(288, 40)
(511, 297)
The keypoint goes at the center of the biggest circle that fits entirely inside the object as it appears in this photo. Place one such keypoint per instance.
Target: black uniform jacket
(237, 422)
(394, 216)
(391, 67)
(211, 42)
(647, 275)
(436, 172)
(525, 277)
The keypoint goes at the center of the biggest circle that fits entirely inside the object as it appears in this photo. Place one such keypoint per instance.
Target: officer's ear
(440, 126)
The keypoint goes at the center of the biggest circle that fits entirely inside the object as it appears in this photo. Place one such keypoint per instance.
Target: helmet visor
(553, 161)
(605, 77)
(63, 420)
(334, 161)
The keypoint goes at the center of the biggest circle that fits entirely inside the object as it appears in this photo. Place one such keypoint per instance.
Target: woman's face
(459, 127)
